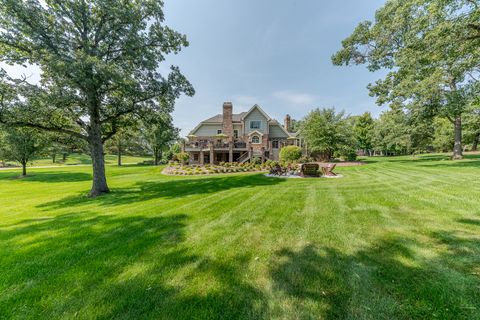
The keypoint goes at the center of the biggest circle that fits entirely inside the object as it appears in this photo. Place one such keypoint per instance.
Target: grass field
(80, 159)
(398, 238)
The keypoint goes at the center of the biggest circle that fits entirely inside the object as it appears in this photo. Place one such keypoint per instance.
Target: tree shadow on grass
(473, 222)
(175, 188)
(388, 280)
(90, 266)
(57, 177)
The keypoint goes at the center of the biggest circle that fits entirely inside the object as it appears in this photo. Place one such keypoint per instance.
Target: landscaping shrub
(290, 153)
(183, 157)
(306, 159)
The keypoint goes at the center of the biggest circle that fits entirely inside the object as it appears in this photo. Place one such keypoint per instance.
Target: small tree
(326, 132)
(22, 145)
(183, 157)
(160, 135)
(364, 132)
(290, 153)
(392, 133)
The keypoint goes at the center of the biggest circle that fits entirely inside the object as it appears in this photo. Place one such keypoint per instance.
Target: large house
(240, 137)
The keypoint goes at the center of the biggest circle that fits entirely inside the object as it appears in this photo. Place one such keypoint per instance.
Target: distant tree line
(329, 134)
(156, 139)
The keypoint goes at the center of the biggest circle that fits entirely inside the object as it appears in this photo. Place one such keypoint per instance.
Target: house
(239, 137)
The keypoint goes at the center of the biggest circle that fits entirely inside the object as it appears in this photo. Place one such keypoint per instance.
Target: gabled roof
(256, 106)
(255, 132)
(276, 123)
(219, 118)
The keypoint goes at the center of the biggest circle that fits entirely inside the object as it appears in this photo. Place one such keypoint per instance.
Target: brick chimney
(227, 120)
(286, 123)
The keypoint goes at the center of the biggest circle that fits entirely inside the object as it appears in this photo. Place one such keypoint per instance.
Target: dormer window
(255, 139)
(255, 124)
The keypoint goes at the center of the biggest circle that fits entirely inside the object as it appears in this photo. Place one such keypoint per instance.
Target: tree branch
(45, 128)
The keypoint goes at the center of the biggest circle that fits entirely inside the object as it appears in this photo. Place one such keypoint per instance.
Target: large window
(255, 139)
(235, 134)
(255, 124)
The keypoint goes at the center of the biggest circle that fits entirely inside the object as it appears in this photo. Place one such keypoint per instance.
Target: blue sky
(275, 53)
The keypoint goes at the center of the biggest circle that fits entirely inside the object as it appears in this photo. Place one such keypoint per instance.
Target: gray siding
(207, 130)
(256, 115)
(277, 132)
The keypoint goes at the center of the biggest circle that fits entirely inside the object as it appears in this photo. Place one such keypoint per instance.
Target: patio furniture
(328, 170)
(277, 170)
(309, 170)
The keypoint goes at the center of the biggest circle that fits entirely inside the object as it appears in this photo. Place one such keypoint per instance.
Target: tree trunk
(475, 142)
(119, 155)
(99, 184)
(64, 156)
(24, 168)
(457, 148)
(157, 158)
(54, 157)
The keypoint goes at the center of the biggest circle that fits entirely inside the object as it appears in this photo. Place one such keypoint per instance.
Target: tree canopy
(431, 50)
(99, 64)
(327, 132)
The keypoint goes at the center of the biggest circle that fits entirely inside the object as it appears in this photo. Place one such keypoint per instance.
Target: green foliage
(391, 133)
(364, 131)
(22, 144)
(430, 48)
(160, 135)
(443, 140)
(99, 64)
(290, 153)
(256, 160)
(183, 157)
(327, 132)
(472, 126)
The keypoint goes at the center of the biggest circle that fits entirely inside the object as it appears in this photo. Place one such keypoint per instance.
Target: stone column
(211, 152)
(230, 152)
(202, 157)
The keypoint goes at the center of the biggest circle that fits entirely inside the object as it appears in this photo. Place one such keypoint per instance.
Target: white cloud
(295, 98)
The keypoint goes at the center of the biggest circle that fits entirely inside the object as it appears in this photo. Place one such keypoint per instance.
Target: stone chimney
(286, 123)
(227, 120)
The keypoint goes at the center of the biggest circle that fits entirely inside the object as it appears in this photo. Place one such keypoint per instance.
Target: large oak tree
(99, 64)
(431, 49)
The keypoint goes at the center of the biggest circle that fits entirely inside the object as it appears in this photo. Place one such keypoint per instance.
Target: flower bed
(174, 168)
(189, 170)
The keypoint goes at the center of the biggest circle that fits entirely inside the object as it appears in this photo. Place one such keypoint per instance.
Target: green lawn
(81, 159)
(394, 239)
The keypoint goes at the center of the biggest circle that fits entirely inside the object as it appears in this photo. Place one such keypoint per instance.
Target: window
(275, 144)
(255, 139)
(219, 131)
(235, 134)
(195, 157)
(255, 124)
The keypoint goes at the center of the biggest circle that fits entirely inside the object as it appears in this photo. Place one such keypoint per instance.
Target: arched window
(255, 139)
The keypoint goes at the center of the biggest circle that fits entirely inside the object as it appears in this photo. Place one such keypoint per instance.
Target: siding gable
(277, 132)
(256, 115)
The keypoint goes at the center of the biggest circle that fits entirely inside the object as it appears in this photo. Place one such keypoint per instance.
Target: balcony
(204, 145)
